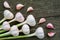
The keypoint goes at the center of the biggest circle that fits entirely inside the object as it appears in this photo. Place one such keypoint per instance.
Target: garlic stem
(21, 24)
(5, 34)
(20, 30)
(0, 28)
(2, 20)
(11, 20)
(24, 36)
(2, 31)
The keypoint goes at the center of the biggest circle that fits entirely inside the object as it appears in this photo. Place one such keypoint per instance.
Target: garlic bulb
(5, 26)
(39, 32)
(19, 17)
(31, 20)
(19, 6)
(14, 30)
(8, 14)
(6, 4)
(25, 29)
(42, 20)
(30, 9)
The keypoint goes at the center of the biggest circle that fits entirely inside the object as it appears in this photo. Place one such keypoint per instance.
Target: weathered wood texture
(50, 9)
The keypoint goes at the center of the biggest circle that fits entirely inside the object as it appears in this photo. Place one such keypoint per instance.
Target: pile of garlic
(30, 20)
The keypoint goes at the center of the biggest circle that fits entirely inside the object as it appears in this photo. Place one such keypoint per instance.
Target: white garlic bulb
(6, 26)
(25, 29)
(31, 20)
(8, 14)
(6, 5)
(19, 17)
(39, 33)
(14, 30)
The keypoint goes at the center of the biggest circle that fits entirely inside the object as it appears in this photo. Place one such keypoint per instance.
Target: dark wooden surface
(50, 9)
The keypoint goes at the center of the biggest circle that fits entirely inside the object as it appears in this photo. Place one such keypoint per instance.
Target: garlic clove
(8, 14)
(50, 26)
(19, 6)
(51, 34)
(6, 5)
(39, 33)
(19, 17)
(31, 20)
(25, 29)
(42, 20)
(6, 26)
(30, 9)
(14, 30)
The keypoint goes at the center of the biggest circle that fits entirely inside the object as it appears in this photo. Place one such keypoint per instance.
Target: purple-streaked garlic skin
(19, 6)
(8, 14)
(31, 20)
(19, 17)
(42, 20)
(6, 26)
(25, 29)
(30, 9)
(50, 26)
(39, 33)
(14, 30)
(51, 34)
(6, 5)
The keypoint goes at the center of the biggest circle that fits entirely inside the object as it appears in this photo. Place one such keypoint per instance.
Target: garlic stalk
(39, 33)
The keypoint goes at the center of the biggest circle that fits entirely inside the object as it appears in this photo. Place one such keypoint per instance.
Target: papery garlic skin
(14, 30)
(6, 5)
(39, 33)
(25, 29)
(30, 9)
(31, 20)
(19, 17)
(8, 14)
(6, 26)
(19, 6)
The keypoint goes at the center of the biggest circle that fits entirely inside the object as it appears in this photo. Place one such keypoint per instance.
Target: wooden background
(49, 9)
